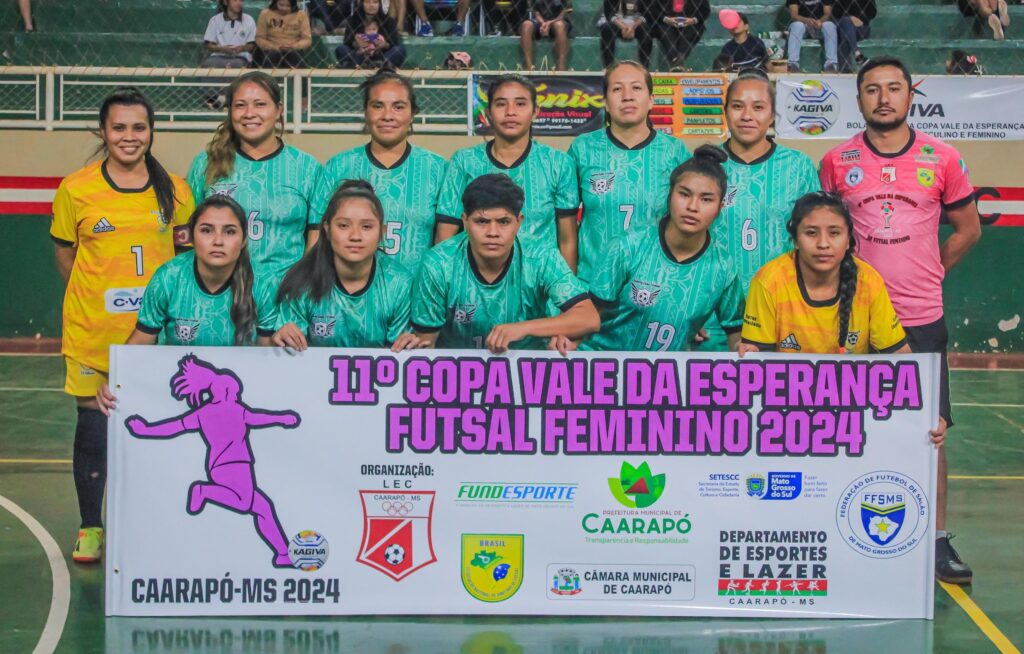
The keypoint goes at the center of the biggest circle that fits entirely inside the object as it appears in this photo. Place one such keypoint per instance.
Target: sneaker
(495, 32)
(948, 565)
(425, 30)
(89, 546)
(859, 57)
(457, 30)
(997, 27)
(830, 68)
(1004, 13)
(792, 68)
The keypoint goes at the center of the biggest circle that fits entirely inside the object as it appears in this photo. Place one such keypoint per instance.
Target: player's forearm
(578, 322)
(65, 257)
(568, 242)
(429, 339)
(139, 337)
(733, 341)
(444, 231)
(957, 246)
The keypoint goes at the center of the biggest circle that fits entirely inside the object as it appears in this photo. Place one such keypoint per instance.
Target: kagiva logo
(601, 183)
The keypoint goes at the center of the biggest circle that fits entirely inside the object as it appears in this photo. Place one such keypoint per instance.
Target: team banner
(950, 108)
(252, 481)
(568, 104)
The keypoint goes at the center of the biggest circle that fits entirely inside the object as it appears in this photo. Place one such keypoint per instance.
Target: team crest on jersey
(852, 338)
(854, 176)
(601, 183)
(889, 174)
(730, 197)
(849, 156)
(644, 294)
(322, 326)
(462, 314)
(186, 330)
(224, 189)
(926, 177)
(790, 343)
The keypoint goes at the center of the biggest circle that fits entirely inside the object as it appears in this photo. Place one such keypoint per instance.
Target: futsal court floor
(49, 602)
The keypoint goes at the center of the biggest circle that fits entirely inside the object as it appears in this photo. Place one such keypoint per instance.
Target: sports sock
(90, 465)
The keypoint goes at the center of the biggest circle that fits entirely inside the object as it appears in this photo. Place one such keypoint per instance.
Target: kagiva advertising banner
(950, 108)
(253, 481)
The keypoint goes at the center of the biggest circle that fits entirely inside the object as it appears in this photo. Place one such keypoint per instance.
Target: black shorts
(934, 337)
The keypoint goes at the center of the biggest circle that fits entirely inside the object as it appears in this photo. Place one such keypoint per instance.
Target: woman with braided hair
(820, 298)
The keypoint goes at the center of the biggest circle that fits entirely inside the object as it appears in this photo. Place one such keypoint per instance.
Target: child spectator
(282, 35)
(994, 13)
(547, 19)
(854, 19)
(230, 37)
(812, 18)
(371, 39)
(962, 63)
(743, 51)
(621, 19)
(680, 24)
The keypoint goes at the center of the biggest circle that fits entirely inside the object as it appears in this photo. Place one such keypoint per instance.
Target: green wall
(983, 291)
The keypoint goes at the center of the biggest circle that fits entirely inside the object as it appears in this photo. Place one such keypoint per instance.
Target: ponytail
(222, 148)
(847, 267)
(159, 179)
(707, 160)
(314, 274)
(243, 305)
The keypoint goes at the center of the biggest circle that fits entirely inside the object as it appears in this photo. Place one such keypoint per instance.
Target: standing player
(407, 178)
(343, 292)
(275, 183)
(545, 174)
(657, 287)
(897, 181)
(765, 179)
(623, 169)
(114, 223)
(486, 288)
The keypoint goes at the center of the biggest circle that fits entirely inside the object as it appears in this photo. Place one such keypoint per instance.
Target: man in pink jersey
(897, 181)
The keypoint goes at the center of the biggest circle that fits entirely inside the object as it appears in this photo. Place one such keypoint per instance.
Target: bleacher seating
(151, 33)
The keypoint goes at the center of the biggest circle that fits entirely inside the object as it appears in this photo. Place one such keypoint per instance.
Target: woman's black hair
(379, 16)
(752, 74)
(163, 186)
(293, 3)
(384, 75)
(493, 191)
(648, 80)
(314, 274)
(881, 62)
(511, 78)
(707, 160)
(243, 306)
(848, 266)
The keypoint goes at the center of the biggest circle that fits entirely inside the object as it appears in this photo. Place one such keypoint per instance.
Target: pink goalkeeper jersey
(896, 201)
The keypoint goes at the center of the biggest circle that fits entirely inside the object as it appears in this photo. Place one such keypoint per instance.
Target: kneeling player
(483, 289)
(657, 287)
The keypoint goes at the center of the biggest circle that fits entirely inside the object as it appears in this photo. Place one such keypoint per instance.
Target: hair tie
(971, 59)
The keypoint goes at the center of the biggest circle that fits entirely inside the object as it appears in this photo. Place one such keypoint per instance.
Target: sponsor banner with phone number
(253, 481)
(950, 108)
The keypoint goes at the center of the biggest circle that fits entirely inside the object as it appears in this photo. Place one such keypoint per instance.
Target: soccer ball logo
(186, 330)
(463, 314)
(394, 554)
(601, 183)
(308, 550)
(644, 297)
(812, 107)
(322, 326)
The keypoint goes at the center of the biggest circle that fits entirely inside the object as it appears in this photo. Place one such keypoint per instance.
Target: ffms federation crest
(396, 531)
(492, 565)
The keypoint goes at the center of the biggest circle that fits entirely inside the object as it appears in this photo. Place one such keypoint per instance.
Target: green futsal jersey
(279, 194)
(452, 297)
(372, 317)
(545, 174)
(179, 308)
(408, 191)
(651, 301)
(622, 188)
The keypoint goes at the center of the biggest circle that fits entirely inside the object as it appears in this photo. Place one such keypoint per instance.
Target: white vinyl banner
(251, 481)
(948, 107)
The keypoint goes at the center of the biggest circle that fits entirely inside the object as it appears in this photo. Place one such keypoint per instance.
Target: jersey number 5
(393, 240)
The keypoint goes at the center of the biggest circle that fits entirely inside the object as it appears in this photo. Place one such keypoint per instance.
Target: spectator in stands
(371, 39)
(962, 63)
(230, 37)
(25, 8)
(743, 51)
(504, 16)
(854, 20)
(621, 19)
(420, 8)
(332, 13)
(547, 19)
(282, 35)
(680, 24)
(994, 13)
(812, 18)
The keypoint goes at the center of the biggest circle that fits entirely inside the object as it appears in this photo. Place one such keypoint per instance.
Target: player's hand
(106, 399)
(290, 336)
(627, 32)
(563, 344)
(545, 28)
(938, 435)
(409, 341)
(747, 347)
(701, 335)
(504, 335)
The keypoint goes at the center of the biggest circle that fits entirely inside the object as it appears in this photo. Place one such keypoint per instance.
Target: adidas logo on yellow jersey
(103, 225)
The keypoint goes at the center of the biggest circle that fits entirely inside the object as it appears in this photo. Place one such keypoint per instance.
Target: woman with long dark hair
(819, 298)
(344, 292)
(545, 174)
(657, 287)
(114, 223)
(277, 185)
(408, 176)
(624, 169)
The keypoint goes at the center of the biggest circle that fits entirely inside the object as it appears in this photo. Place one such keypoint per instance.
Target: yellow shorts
(82, 381)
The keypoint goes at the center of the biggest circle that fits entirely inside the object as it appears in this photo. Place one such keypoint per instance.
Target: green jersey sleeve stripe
(423, 329)
(567, 213)
(574, 301)
(441, 218)
(146, 329)
(601, 302)
(264, 332)
(732, 330)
